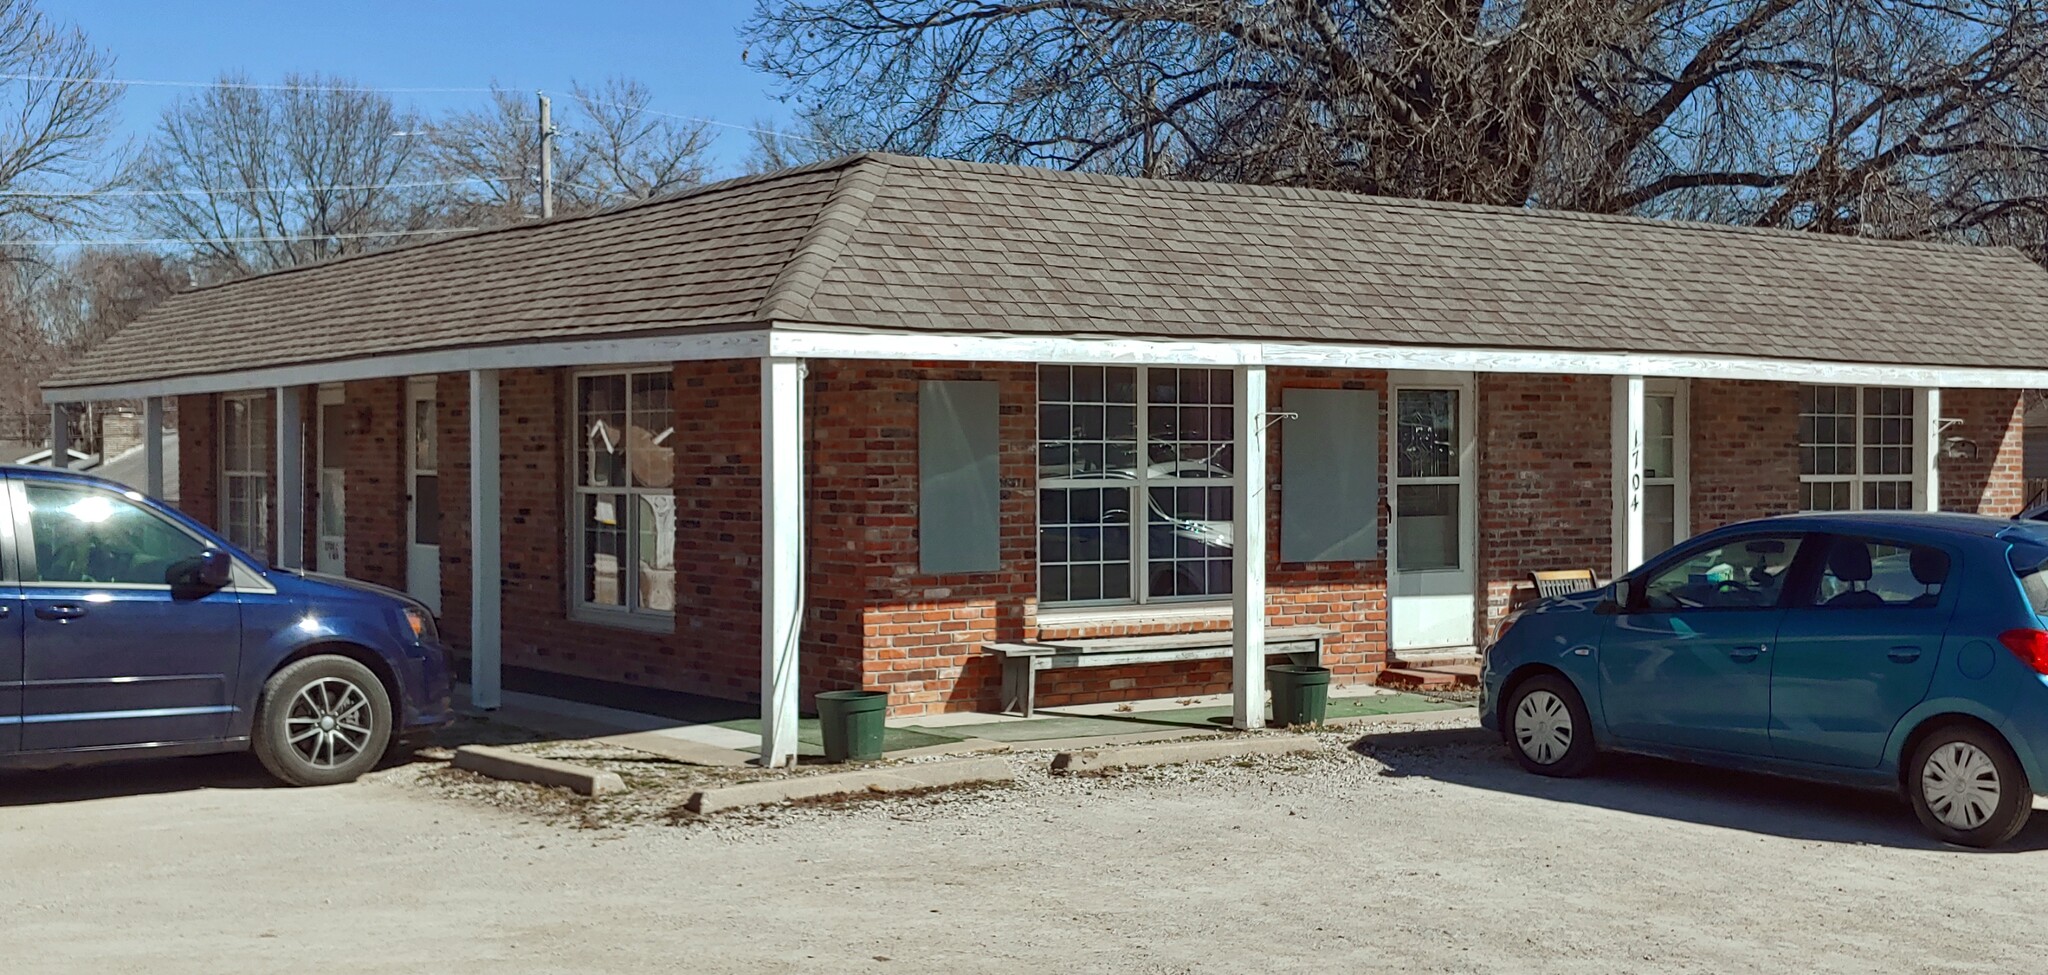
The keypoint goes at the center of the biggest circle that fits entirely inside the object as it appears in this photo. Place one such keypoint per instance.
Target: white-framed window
(1855, 448)
(1136, 474)
(1667, 463)
(245, 437)
(623, 508)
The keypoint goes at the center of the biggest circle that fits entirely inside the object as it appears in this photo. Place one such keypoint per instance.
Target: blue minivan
(1885, 649)
(129, 630)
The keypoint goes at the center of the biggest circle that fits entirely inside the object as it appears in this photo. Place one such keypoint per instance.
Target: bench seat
(1023, 661)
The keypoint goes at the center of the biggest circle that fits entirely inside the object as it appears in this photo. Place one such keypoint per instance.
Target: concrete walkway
(732, 742)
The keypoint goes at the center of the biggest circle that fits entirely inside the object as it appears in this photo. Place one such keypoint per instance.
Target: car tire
(322, 721)
(1547, 727)
(1967, 787)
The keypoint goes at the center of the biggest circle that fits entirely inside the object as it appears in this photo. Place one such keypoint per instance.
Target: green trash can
(1301, 694)
(851, 722)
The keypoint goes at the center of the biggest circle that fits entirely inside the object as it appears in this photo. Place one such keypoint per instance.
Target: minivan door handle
(61, 611)
(1903, 655)
(1747, 654)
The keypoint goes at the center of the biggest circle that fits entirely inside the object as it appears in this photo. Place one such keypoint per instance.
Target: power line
(201, 191)
(242, 85)
(158, 241)
(712, 121)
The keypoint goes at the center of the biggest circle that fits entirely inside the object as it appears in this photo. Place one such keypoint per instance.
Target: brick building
(888, 422)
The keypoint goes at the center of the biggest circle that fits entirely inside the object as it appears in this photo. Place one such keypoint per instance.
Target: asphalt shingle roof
(900, 243)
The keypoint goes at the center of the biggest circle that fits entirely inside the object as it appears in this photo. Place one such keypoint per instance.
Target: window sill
(1135, 615)
(624, 621)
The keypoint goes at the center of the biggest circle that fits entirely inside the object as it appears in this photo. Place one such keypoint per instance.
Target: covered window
(625, 506)
(245, 471)
(1666, 481)
(1135, 480)
(1856, 448)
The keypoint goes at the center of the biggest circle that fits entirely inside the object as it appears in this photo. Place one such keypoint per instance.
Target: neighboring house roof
(900, 243)
(131, 467)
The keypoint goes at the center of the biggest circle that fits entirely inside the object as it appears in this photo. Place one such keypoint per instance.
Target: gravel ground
(1432, 855)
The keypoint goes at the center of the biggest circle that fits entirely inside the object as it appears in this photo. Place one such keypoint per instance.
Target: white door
(332, 464)
(1431, 582)
(423, 495)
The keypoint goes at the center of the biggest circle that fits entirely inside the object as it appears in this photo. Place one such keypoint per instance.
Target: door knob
(1746, 654)
(1903, 655)
(61, 611)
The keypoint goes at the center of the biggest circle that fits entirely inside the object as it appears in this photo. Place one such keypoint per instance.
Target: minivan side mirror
(212, 570)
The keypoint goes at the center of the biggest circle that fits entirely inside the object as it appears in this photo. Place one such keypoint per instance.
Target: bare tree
(815, 137)
(258, 178)
(1870, 116)
(611, 147)
(58, 114)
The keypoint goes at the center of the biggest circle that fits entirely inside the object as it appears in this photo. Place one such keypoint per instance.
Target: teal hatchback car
(1882, 649)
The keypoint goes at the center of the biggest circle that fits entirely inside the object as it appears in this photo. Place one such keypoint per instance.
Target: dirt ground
(1432, 855)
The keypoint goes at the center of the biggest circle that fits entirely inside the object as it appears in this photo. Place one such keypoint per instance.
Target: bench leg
(1020, 685)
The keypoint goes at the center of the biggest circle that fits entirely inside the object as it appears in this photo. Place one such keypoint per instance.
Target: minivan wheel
(1548, 728)
(1967, 787)
(322, 721)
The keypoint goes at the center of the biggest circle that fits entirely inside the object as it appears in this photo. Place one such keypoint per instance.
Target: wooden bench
(1023, 661)
(1563, 582)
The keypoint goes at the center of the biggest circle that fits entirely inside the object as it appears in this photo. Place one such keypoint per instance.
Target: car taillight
(2031, 646)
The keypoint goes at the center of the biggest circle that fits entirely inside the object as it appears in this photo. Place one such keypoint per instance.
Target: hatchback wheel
(1967, 787)
(322, 721)
(1548, 728)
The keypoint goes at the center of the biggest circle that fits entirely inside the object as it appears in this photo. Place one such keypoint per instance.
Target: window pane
(426, 510)
(333, 503)
(94, 537)
(234, 435)
(333, 435)
(1427, 428)
(650, 440)
(604, 549)
(1084, 541)
(1887, 495)
(601, 423)
(655, 550)
(1659, 437)
(425, 453)
(1427, 527)
(1745, 574)
(1862, 574)
(258, 451)
(1188, 542)
(1660, 518)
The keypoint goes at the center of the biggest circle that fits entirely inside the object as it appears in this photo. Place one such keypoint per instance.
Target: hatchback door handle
(61, 611)
(1747, 654)
(1904, 655)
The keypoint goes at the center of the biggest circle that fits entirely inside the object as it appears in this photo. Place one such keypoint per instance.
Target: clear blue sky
(687, 51)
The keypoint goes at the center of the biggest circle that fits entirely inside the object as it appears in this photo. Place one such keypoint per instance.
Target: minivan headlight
(422, 624)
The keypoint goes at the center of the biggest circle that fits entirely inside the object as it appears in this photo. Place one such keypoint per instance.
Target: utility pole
(547, 158)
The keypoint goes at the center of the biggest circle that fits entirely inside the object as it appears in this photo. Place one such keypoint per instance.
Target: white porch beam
(1248, 553)
(153, 446)
(291, 476)
(60, 435)
(1927, 449)
(486, 590)
(782, 554)
(804, 340)
(1630, 417)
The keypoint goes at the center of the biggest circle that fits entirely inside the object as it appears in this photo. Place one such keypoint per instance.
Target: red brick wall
(1745, 451)
(374, 489)
(1546, 481)
(198, 458)
(1992, 481)
(924, 633)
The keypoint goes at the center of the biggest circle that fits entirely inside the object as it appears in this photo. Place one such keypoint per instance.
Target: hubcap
(1543, 727)
(1960, 784)
(329, 722)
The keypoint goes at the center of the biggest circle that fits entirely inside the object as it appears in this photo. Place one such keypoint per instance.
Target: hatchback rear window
(2035, 584)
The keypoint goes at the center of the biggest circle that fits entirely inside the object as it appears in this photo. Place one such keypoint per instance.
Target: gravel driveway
(1434, 855)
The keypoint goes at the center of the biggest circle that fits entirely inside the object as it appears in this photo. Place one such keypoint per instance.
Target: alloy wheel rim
(1960, 784)
(328, 725)
(1543, 727)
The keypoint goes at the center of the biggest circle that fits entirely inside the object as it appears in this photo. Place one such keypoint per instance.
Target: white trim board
(797, 340)
(749, 344)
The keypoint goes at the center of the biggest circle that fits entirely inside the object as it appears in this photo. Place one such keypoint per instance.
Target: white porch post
(291, 477)
(486, 592)
(153, 446)
(1630, 412)
(60, 435)
(1248, 553)
(1927, 449)
(782, 554)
